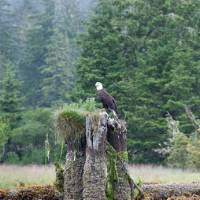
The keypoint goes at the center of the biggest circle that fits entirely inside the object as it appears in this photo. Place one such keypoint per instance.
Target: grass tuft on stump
(70, 119)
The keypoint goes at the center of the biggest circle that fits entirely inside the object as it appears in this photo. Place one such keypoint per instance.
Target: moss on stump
(101, 146)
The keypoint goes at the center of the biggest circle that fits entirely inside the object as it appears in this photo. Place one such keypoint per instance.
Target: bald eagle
(107, 100)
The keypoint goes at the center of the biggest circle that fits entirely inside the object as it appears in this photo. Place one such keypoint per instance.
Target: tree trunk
(5, 151)
(122, 187)
(164, 191)
(75, 159)
(96, 170)
(94, 178)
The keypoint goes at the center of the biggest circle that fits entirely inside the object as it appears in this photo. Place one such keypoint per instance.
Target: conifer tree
(57, 74)
(38, 37)
(139, 49)
(104, 53)
(9, 106)
(167, 76)
(8, 41)
(61, 51)
(10, 101)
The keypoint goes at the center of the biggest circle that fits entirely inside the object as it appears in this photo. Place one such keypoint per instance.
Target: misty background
(146, 53)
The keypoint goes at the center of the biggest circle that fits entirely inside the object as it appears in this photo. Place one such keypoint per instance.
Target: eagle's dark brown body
(107, 100)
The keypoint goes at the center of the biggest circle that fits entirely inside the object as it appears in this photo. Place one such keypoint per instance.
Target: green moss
(137, 191)
(112, 158)
(123, 155)
(59, 183)
(109, 191)
(111, 163)
(111, 155)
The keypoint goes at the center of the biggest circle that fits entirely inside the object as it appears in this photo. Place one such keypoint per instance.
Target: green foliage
(9, 108)
(46, 67)
(57, 73)
(33, 156)
(9, 99)
(27, 141)
(37, 52)
(12, 158)
(194, 154)
(184, 151)
(145, 53)
(7, 32)
(37, 40)
(34, 126)
(179, 155)
(4, 130)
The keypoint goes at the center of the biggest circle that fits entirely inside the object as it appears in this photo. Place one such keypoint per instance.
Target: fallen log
(151, 192)
(31, 193)
(165, 191)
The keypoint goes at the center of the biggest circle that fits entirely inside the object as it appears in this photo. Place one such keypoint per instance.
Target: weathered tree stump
(73, 181)
(96, 158)
(94, 178)
(117, 138)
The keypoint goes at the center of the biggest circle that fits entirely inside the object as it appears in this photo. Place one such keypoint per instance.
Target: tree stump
(96, 160)
(94, 178)
(73, 181)
(117, 138)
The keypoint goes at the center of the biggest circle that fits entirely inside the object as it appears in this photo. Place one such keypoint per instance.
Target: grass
(16, 176)
(70, 119)
(163, 175)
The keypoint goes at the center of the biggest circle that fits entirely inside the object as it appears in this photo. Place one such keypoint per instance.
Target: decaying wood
(163, 192)
(94, 178)
(75, 159)
(86, 168)
(117, 137)
(152, 192)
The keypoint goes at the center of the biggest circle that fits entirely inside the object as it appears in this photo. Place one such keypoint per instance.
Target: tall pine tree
(37, 39)
(57, 74)
(145, 53)
(10, 106)
(167, 75)
(58, 70)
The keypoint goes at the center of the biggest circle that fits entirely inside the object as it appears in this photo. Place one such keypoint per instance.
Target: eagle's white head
(99, 86)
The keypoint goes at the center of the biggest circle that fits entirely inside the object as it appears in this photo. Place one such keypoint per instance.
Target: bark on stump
(118, 139)
(75, 159)
(96, 169)
(94, 178)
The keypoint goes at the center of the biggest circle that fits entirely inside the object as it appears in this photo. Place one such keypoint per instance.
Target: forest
(145, 52)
